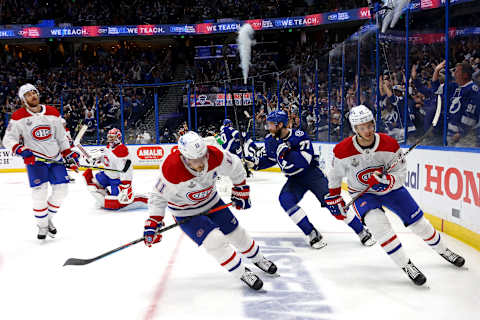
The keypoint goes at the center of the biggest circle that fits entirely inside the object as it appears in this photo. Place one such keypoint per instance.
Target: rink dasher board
(445, 182)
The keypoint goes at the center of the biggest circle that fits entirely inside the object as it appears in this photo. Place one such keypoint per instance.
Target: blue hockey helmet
(278, 116)
(227, 122)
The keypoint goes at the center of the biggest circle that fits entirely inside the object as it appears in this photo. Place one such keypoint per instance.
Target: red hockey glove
(381, 182)
(152, 225)
(25, 153)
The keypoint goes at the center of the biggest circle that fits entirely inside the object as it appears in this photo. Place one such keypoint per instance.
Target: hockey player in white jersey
(186, 186)
(36, 131)
(111, 189)
(363, 159)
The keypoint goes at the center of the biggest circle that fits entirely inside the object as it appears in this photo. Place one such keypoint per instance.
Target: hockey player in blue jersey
(292, 150)
(231, 138)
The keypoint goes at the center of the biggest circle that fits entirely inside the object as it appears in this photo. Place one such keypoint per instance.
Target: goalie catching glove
(241, 196)
(152, 225)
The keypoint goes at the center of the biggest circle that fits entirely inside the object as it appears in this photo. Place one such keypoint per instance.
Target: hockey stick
(81, 262)
(80, 134)
(80, 166)
(229, 79)
(404, 155)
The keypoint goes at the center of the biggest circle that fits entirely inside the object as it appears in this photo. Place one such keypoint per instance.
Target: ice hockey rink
(177, 280)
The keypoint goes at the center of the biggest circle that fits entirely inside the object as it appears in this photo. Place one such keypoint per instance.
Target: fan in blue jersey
(292, 150)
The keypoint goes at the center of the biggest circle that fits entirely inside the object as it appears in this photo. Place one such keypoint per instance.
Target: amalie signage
(150, 153)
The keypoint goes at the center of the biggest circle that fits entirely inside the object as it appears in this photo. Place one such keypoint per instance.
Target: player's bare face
(274, 129)
(32, 99)
(196, 164)
(366, 133)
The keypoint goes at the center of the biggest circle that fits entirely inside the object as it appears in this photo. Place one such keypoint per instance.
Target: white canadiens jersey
(116, 157)
(357, 164)
(186, 194)
(43, 132)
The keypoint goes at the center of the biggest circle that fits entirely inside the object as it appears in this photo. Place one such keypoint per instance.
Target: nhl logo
(192, 184)
(29, 122)
(355, 162)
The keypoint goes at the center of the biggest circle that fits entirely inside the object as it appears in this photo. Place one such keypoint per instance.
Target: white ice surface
(176, 280)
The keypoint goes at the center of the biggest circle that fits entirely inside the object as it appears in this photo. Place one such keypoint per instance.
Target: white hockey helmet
(192, 146)
(359, 115)
(26, 88)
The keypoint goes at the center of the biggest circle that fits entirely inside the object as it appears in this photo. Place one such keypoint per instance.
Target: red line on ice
(152, 308)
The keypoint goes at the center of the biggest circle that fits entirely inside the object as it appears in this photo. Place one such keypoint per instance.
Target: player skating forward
(292, 150)
(36, 130)
(186, 186)
(362, 159)
(113, 190)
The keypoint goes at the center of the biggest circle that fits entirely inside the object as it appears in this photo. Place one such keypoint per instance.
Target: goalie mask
(114, 136)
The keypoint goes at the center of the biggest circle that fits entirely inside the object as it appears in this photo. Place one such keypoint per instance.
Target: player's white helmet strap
(359, 115)
(26, 88)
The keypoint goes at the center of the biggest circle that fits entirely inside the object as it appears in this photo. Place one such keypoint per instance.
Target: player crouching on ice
(35, 132)
(186, 186)
(292, 150)
(113, 189)
(364, 159)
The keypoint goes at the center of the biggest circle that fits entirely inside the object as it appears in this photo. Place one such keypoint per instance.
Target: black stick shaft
(81, 262)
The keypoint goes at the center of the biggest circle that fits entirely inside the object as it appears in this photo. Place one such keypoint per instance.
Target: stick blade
(77, 262)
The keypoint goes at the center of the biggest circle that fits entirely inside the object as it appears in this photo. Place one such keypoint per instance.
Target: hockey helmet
(26, 88)
(359, 115)
(227, 122)
(278, 116)
(192, 146)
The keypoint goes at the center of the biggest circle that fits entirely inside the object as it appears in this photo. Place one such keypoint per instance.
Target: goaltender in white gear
(186, 186)
(113, 189)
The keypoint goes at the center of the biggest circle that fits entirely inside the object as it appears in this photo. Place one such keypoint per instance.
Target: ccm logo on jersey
(41, 133)
(363, 175)
(201, 195)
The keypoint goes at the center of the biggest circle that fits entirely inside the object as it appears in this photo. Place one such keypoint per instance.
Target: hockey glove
(152, 225)
(241, 197)
(71, 159)
(25, 153)
(381, 182)
(335, 204)
(252, 162)
(282, 151)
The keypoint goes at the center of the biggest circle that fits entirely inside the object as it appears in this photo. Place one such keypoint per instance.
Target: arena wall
(444, 182)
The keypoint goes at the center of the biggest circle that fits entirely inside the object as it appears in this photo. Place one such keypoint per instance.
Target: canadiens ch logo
(200, 195)
(42, 132)
(363, 175)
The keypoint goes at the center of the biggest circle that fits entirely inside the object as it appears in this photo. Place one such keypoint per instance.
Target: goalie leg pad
(425, 230)
(245, 244)
(40, 206)
(378, 223)
(215, 243)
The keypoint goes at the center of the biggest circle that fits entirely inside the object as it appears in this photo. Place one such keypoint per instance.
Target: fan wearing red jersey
(364, 160)
(111, 189)
(186, 185)
(36, 130)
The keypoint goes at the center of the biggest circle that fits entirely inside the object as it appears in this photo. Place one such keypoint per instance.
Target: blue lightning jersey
(299, 157)
(464, 108)
(231, 139)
